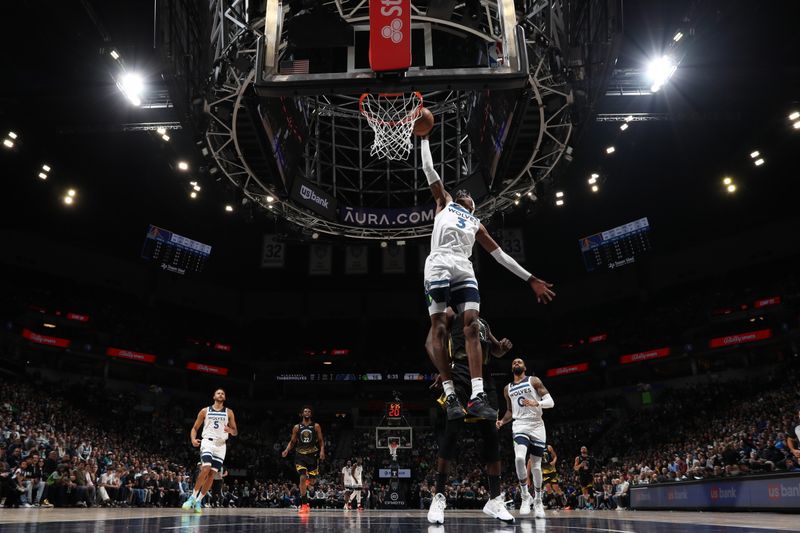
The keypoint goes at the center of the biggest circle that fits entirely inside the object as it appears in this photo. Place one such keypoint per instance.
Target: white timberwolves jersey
(215, 424)
(520, 391)
(454, 230)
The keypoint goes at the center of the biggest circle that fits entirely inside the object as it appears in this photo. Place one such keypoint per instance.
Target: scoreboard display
(394, 410)
(173, 252)
(616, 247)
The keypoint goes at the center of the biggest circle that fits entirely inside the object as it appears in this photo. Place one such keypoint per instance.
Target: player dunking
(217, 422)
(450, 280)
(525, 399)
(309, 449)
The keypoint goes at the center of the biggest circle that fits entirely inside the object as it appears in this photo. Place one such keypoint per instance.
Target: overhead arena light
(71, 193)
(796, 125)
(727, 181)
(794, 115)
(193, 195)
(610, 150)
(68, 200)
(42, 175)
(132, 86)
(165, 137)
(678, 36)
(624, 126)
(196, 188)
(758, 162)
(229, 208)
(593, 178)
(629, 118)
(183, 165)
(46, 167)
(12, 135)
(384, 244)
(8, 143)
(270, 199)
(754, 154)
(595, 188)
(659, 71)
(315, 235)
(516, 202)
(114, 54)
(559, 194)
(161, 131)
(731, 188)
(559, 202)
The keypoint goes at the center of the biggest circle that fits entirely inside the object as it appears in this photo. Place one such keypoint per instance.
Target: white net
(391, 116)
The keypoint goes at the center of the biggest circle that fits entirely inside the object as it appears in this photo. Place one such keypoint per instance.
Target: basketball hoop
(391, 116)
(393, 449)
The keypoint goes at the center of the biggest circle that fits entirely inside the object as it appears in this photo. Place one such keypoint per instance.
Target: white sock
(523, 487)
(477, 387)
(448, 387)
(194, 494)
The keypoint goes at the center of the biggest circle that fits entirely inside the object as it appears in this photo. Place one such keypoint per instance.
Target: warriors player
(309, 450)
(525, 399)
(449, 445)
(217, 422)
(450, 280)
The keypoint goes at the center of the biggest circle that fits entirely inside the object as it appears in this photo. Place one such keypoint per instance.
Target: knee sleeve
(520, 456)
(536, 472)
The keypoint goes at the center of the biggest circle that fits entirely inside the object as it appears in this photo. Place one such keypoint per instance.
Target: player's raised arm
(540, 287)
(441, 196)
(499, 347)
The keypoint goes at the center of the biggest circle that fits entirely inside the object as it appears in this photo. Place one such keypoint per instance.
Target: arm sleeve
(507, 261)
(547, 402)
(427, 162)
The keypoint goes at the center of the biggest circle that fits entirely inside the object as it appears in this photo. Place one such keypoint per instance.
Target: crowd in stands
(55, 449)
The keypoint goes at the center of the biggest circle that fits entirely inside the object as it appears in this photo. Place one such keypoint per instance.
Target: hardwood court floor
(275, 520)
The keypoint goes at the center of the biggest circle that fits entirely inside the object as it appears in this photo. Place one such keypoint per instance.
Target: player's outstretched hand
(284, 453)
(506, 345)
(498, 424)
(196, 443)
(542, 289)
(227, 429)
(322, 455)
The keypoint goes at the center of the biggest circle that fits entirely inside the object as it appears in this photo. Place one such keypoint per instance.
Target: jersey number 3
(461, 223)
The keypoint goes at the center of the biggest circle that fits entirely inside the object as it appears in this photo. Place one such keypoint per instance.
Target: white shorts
(530, 434)
(212, 452)
(450, 281)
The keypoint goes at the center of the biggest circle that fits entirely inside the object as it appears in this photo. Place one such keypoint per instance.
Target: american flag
(298, 66)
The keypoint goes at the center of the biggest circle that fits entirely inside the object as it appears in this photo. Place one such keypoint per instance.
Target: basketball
(424, 123)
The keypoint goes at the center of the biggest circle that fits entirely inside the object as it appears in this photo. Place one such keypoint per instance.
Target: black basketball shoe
(454, 408)
(479, 407)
